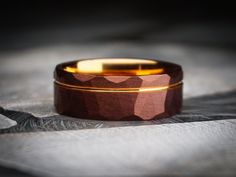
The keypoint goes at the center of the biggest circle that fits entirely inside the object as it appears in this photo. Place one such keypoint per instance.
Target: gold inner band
(116, 66)
(98, 89)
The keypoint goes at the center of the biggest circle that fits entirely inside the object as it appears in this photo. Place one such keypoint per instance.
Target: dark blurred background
(27, 24)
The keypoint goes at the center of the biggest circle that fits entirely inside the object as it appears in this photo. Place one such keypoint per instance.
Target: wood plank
(197, 148)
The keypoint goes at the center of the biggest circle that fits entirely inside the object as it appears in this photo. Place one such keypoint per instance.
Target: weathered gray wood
(5, 122)
(196, 148)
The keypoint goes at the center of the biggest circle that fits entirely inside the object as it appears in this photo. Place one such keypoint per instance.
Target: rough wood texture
(195, 149)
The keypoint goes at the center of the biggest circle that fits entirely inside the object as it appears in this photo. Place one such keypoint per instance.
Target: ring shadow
(11, 172)
(217, 106)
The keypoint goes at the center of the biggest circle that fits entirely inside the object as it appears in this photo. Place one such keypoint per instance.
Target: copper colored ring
(118, 89)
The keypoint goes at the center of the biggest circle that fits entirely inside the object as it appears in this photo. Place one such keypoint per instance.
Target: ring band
(118, 89)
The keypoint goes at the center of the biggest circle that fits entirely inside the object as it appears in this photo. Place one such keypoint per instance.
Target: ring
(118, 89)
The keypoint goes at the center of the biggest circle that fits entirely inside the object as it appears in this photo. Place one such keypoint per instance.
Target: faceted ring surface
(118, 89)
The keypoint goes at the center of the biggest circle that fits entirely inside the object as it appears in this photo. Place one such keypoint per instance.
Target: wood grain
(196, 148)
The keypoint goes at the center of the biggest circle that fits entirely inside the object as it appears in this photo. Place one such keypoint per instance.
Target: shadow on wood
(10, 172)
